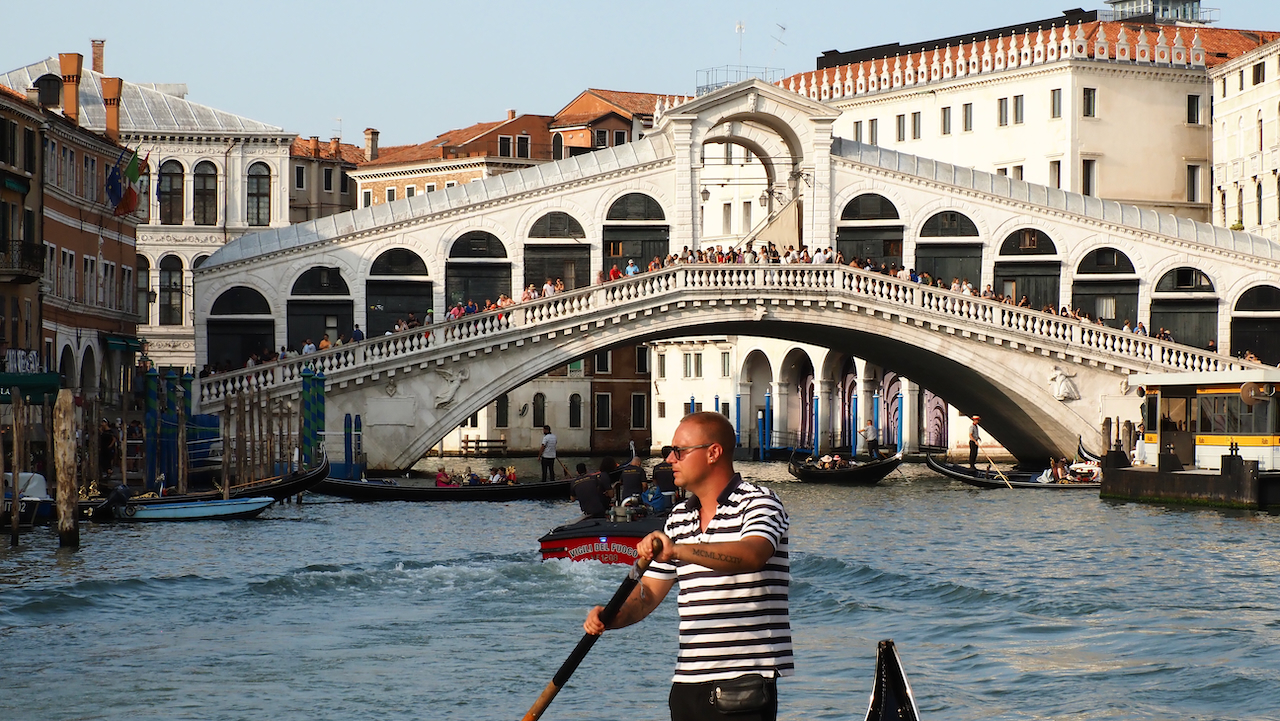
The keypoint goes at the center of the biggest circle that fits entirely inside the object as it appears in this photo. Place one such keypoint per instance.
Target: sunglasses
(678, 451)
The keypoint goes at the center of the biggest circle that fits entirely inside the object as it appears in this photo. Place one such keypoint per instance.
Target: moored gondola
(387, 489)
(891, 696)
(991, 478)
(856, 474)
(1085, 453)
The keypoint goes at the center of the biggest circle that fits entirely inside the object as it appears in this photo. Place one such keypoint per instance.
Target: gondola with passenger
(1076, 477)
(841, 471)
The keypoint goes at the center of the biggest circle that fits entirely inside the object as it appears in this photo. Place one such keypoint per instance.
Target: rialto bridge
(644, 199)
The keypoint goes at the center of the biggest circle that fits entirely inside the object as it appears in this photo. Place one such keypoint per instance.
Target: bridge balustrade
(938, 306)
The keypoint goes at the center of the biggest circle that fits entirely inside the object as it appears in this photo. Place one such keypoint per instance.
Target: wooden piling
(64, 441)
(225, 426)
(181, 415)
(124, 452)
(15, 399)
(240, 454)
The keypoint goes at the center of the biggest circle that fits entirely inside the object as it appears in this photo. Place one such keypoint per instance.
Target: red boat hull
(598, 540)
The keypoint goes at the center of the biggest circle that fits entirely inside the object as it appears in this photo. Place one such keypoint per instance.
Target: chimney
(111, 100)
(370, 144)
(333, 147)
(71, 65)
(511, 114)
(33, 95)
(98, 45)
(313, 144)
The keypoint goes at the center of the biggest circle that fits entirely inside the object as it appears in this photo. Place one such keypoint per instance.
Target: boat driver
(592, 492)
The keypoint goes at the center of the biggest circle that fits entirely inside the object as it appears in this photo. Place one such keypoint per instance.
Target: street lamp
(706, 194)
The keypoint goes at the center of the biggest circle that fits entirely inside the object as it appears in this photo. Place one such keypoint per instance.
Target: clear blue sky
(414, 69)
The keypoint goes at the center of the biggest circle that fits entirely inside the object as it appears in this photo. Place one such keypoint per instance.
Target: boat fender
(130, 510)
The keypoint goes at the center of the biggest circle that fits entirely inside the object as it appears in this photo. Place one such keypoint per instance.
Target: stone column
(686, 199)
(826, 400)
(781, 401)
(910, 441)
(866, 406)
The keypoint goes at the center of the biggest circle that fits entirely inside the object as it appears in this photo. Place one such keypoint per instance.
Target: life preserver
(130, 510)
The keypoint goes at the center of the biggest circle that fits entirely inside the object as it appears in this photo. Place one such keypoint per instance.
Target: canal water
(1004, 605)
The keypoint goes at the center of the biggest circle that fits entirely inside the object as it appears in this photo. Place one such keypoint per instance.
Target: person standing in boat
(591, 492)
(727, 546)
(975, 437)
(547, 455)
(664, 478)
(871, 435)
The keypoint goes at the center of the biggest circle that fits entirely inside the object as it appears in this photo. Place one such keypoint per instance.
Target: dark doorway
(313, 318)
(571, 263)
(232, 341)
(944, 261)
(1039, 282)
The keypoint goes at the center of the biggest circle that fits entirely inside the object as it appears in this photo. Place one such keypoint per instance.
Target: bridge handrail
(972, 312)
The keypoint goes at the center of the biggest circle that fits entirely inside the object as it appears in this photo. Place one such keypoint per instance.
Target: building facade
(1246, 142)
(320, 183)
(70, 277)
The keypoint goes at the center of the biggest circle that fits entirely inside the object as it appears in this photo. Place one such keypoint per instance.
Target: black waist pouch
(744, 693)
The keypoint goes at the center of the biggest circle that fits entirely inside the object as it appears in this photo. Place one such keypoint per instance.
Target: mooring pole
(64, 442)
(15, 397)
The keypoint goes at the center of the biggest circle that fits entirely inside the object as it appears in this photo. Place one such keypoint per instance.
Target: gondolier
(727, 545)
(547, 454)
(872, 436)
(975, 437)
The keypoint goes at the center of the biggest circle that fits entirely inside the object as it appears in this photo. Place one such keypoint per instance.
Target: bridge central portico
(645, 199)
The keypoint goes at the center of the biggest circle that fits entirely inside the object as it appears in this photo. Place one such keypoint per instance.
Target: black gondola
(859, 474)
(386, 489)
(990, 478)
(891, 696)
(1085, 453)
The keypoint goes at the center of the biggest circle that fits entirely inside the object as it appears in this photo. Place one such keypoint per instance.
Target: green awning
(34, 387)
(17, 184)
(127, 343)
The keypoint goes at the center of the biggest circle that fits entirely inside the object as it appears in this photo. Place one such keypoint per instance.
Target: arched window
(258, 210)
(1264, 298)
(143, 288)
(171, 290)
(1105, 260)
(556, 225)
(399, 261)
(199, 261)
(240, 300)
(170, 192)
(557, 147)
(1028, 241)
(575, 411)
(1259, 203)
(949, 224)
(1184, 280)
(206, 194)
(478, 244)
(1256, 325)
(869, 207)
(144, 194)
(502, 411)
(321, 281)
(635, 206)
(539, 410)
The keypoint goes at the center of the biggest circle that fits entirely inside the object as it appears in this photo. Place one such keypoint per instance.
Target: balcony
(21, 262)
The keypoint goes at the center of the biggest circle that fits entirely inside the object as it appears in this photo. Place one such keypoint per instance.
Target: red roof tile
(347, 152)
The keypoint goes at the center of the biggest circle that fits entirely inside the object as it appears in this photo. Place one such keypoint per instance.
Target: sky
(415, 69)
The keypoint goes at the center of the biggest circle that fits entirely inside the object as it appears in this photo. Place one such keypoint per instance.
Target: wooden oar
(584, 646)
(997, 470)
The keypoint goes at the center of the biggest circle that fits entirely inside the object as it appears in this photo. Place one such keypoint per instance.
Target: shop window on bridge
(1255, 324)
(240, 324)
(637, 231)
(478, 269)
(1179, 304)
(864, 235)
(539, 410)
(397, 286)
(1022, 270)
(558, 225)
(319, 308)
(1114, 301)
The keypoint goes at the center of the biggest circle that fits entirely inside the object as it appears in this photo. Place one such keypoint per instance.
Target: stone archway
(755, 394)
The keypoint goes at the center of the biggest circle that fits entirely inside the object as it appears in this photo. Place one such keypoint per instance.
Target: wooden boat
(209, 510)
(859, 474)
(891, 696)
(1085, 454)
(277, 488)
(31, 511)
(987, 478)
(599, 539)
(387, 489)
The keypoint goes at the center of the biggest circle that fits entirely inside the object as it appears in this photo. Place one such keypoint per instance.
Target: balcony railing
(21, 261)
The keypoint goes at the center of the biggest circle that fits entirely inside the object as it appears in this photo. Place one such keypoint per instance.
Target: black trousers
(693, 702)
(873, 449)
(548, 469)
(973, 454)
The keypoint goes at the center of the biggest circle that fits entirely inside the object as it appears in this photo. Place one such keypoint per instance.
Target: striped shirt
(732, 623)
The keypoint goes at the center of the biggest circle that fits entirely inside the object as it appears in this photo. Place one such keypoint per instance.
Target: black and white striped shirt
(732, 623)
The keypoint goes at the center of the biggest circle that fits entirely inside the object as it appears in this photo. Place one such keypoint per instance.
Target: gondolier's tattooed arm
(703, 553)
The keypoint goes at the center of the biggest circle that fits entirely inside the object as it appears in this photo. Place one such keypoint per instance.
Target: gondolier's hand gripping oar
(588, 640)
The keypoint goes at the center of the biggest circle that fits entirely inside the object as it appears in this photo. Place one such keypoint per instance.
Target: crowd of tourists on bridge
(769, 253)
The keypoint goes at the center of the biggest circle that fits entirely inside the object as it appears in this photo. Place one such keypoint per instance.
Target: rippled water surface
(1004, 605)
